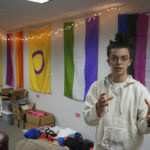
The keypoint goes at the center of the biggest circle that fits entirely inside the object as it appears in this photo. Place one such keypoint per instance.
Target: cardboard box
(7, 94)
(15, 122)
(8, 105)
(29, 126)
(28, 106)
(4, 97)
(41, 121)
(20, 124)
(19, 115)
(11, 94)
(20, 93)
(23, 107)
(6, 91)
(19, 111)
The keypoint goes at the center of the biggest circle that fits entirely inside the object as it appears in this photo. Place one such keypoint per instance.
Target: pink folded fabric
(36, 113)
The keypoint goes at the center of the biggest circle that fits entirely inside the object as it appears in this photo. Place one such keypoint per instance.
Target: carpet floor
(15, 134)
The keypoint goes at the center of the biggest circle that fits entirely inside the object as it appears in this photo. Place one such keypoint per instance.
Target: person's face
(119, 60)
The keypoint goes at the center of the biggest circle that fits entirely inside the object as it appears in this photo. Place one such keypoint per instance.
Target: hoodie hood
(130, 80)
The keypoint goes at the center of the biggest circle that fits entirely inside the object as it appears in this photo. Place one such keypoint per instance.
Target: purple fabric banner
(10, 73)
(141, 45)
(91, 52)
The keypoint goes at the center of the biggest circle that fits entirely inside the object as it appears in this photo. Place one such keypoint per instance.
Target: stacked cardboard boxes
(19, 112)
(10, 96)
(36, 122)
(15, 101)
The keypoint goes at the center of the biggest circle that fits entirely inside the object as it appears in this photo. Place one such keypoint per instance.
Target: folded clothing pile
(65, 137)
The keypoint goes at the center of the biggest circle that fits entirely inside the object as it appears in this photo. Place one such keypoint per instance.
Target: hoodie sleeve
(142, 112)
(89, 110)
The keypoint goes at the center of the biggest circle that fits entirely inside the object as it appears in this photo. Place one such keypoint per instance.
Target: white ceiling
(17, 14)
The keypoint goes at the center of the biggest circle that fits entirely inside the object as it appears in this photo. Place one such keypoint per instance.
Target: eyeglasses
(123, 59)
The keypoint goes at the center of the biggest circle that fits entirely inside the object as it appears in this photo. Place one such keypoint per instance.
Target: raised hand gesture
(148, 112)
(102, 103)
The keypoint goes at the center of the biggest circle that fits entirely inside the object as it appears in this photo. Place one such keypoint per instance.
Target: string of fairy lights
(59, 30)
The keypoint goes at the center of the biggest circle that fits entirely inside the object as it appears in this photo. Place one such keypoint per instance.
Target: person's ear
(130, 62)
(108, 61)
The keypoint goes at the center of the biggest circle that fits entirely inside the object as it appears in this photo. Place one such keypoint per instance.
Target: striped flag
(141, 46)
(39, 60)
(147, 67)
(127, 23)
(138, 26)
(19, 59)
(81, 56)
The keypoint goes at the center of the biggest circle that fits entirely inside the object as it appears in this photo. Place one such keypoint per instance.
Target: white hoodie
(123, 122)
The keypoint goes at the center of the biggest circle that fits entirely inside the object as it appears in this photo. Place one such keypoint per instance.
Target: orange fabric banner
(19, 59)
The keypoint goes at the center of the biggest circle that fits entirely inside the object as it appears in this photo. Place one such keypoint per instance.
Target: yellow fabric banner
(39, 60)
(1, 74)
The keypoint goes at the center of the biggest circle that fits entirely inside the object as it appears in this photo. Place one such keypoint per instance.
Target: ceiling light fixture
(39, 1)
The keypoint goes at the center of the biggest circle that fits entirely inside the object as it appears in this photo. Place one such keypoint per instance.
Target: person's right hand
(102, 103)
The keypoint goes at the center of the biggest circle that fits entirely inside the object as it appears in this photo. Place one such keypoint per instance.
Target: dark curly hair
(122, 40)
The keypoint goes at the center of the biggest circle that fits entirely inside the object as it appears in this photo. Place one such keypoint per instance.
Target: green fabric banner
(68, 58)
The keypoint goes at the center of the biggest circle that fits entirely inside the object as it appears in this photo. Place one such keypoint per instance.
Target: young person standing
(118, 105)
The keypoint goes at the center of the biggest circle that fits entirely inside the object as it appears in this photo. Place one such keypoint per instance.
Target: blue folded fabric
(32, 134)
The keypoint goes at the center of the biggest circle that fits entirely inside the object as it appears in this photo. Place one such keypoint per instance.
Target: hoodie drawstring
(120, 95)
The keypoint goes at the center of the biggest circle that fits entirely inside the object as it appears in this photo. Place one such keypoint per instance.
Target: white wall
(64, 108)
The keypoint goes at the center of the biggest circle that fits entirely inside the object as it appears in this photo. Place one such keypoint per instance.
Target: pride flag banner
(39, 60)
(81, 57)
(138, 26)
(19, 59)
(141, 46)
(127, 23)
(1, 74)
(68, 55)
(10, 71)
(91, 46)
(147, 67)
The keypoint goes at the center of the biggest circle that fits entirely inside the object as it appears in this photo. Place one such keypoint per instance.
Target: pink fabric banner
(10, 71)
(141, 45)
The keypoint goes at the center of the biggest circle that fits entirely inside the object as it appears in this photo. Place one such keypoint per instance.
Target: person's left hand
(148, 112)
